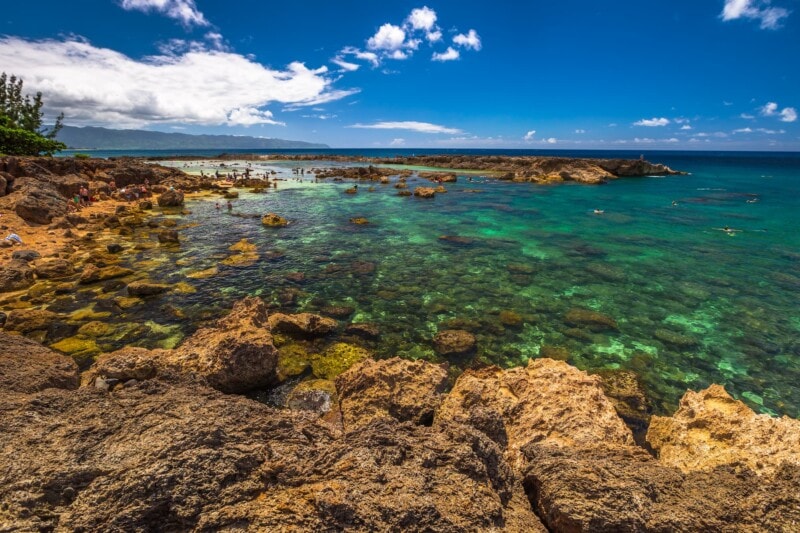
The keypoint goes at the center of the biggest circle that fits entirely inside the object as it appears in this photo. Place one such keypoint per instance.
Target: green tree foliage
(21, 131)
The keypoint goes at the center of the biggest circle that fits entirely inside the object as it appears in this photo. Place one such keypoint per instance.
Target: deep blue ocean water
(694, 304)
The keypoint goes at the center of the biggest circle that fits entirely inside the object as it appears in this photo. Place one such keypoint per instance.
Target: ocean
(685, 303)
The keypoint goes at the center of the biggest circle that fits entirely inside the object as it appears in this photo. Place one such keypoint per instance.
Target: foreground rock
(711, 429)
(26, 366)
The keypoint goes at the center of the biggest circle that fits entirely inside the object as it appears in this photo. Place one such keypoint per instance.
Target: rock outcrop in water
(147, 443)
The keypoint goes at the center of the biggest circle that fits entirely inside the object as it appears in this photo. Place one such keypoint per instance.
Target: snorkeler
(599, 211)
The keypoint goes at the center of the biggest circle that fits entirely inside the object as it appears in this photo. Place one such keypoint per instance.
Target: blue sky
(661, 74)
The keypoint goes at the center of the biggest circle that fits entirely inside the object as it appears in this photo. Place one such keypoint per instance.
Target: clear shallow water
(693, 304)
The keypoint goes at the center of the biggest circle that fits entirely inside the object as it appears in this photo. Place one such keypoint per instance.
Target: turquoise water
(694, 305)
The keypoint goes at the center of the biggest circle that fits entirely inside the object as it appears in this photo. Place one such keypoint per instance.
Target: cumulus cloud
(787, 114)
(434, 36)
(388, 37)
(652, 122)
(769, 17)
(421, 127)
(422, 18)
(450, 54)
(470, 40)
(551, 140)
(529, 136)
(94, 85)
(184, 11)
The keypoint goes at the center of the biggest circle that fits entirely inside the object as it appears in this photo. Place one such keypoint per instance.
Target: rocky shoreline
(171, 438)
(162, 439)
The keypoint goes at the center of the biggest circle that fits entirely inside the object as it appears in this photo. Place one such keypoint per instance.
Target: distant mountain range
(92, 138)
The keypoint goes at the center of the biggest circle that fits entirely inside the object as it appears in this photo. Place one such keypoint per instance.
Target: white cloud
(652, 122)
(686, 127)
(184, 11)
(743, 130)
(388, 37)
(422, 18)
(345, 65)
(433, 36)
(321, 116)
(421, 127)
(470, 40)
(529, 136)
(769, 109)
(747, 116)
(681, 120)
(580, 131)
(449, 55)
(551, 140)
(788, 114)
(397, 142)
(770, 17)
(95, 85)
(370, 57)
(398, 54)
(249, 116)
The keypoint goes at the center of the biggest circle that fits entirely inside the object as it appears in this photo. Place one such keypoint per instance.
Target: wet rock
(425, 192)
(315, 395)
(337, 358)
(27, 320)
(674, 338)
(124, 364)
(454, 342)
(170, 198)
(456, 239)
(592, 320)
(168, 236)
(359, 221)
(145, 205)
(510, 318)
(337, 311)
(559, 353)
(114, 248)
(627, 394)
(26, 255)
(403, 193)
(27, 367)
(147, 288)
(273, 220)
(302, 324)
(296, 277)
(362, 268)
(53, 268)
(92, 273)
(547, 401)
(15, 276)
(710, 429)
(364, 330)
(396, 388)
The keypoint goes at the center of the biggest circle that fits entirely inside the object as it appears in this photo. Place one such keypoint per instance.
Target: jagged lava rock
(170, 198)
(546, 401)
(302, 324)
(15, 276)
(710, 429)
(394, 388)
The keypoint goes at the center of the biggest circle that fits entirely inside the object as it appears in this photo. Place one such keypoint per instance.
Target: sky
(626, 74)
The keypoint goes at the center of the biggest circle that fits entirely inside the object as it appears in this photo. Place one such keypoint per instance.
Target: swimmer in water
(599, 211)
(674, 203)
(752, 200)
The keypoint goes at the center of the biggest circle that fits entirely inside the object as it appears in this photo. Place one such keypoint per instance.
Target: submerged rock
(274, 221)
(146, 288)
(589, 319)
(302, 324)
(425, 192)
(170, 198)
(454, 342)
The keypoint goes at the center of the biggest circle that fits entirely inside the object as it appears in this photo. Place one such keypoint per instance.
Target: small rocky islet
(172, 436)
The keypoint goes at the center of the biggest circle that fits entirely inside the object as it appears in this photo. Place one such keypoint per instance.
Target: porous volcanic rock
(273, 220)
(26, 367)
(170, 198)
(710, 429)
(547, 401)
(604, 487)
(394, 388)
(53, 267)
(41, 206)
(302, 324)
(27, 320)
(15, 276)
(146, 288)
(425, 192)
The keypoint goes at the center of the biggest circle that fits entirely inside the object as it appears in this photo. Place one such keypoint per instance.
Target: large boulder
(547, 401)
(53, 267)
(305, 325)
(710, 429)
(15, 276)
(41, 206)
(234, 355)
(27, 320)
(27, 367)
(170, 198)
(392, 388)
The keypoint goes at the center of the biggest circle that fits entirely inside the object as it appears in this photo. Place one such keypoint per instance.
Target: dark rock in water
(27, 320)
(27, 367)
(302, 324)
(16, 275)
(627, 394)
(403, 193)
(337, 311)
(425, 192)
(274, 255)
(168, 236)
(145, 205)
(114, 248)
(3, 317)
(510, 318)
(53, 268)
(121, 209)
(296, 277)
(589, 319)
(364, 330)
(362, 267)
(675, 339)
(230, 195)
(170, 198)
(557, 353)
(456, 239)
(92, 274)
(393, 388)
(359, 221)
(146, 288)
(274, 220)
(454, 342)
(26, 255)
